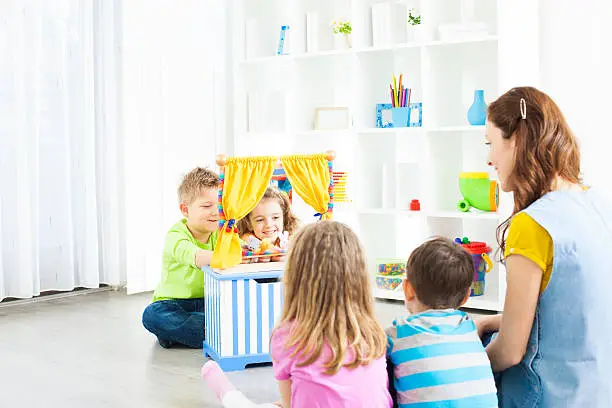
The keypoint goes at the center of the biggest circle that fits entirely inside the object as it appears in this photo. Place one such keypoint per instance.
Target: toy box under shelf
(241, 307)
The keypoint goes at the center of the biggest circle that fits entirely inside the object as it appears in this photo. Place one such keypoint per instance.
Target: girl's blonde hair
(290, 221)
(328, 297)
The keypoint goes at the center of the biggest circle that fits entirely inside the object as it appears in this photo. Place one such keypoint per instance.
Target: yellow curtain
(245, 182)
(309, 178)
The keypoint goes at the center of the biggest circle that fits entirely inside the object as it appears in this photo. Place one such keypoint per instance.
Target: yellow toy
(243, 183)
(266, 249)
(265, 245)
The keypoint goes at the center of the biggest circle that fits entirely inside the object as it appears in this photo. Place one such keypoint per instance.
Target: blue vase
(477, 114)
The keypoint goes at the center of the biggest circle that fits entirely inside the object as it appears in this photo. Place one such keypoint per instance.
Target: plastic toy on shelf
(243, 297)
(480, 252)
(390, 274)
(478, 191)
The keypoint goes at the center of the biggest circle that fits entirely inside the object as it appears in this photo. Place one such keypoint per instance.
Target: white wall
(576, 71)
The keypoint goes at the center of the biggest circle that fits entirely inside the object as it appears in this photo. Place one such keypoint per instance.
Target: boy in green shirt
(176, 315)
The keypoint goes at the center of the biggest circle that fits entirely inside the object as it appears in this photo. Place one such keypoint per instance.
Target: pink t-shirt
(361, 387)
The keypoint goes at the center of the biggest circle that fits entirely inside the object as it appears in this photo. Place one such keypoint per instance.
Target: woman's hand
(488, 324)
(523, 289)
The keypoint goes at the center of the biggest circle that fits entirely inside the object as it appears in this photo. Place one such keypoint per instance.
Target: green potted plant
(342, 31)
(414, 18)
(417, 31)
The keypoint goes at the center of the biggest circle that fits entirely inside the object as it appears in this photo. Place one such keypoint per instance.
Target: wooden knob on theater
(330, 155)
(221, 160)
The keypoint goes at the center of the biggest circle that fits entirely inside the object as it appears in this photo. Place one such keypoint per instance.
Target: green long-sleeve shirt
(181, 278)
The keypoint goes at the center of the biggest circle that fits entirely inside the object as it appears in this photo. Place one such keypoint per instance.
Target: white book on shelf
(388, 23)
(312, 32)
(399, 22)
(381, 21)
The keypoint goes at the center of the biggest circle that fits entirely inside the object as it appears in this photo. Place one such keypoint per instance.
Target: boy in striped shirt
(435, 356)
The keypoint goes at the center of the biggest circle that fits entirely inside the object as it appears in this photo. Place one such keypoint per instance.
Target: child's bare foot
(216, 379)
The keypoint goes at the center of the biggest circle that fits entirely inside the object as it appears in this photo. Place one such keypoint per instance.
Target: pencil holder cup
(400, 116)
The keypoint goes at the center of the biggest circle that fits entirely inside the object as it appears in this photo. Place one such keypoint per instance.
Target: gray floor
(91, 351)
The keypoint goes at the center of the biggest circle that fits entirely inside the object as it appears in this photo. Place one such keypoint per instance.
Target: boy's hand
(203, 258)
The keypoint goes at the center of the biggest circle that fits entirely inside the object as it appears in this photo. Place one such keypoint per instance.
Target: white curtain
(173, 92)
(104, 104)
(59, 226)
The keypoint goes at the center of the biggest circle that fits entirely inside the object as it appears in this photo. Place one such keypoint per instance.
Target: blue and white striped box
(241, 307)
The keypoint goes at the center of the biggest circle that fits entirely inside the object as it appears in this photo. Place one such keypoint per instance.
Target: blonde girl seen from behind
(328, 349)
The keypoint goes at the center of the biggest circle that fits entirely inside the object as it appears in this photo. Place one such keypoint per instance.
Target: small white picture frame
(334, 118)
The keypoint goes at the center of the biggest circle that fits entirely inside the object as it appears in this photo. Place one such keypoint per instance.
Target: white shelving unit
(274, 100)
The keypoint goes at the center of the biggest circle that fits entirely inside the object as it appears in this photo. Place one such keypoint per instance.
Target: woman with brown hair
(554, 341)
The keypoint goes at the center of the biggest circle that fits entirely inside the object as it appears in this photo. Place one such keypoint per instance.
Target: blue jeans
(176, 321)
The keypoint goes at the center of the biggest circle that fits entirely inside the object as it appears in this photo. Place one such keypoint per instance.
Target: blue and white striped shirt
(439, 361)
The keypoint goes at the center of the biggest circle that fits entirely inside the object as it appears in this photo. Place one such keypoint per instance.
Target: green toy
(478, 191)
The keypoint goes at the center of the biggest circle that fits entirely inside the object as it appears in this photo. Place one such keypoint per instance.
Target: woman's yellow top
(528, 238)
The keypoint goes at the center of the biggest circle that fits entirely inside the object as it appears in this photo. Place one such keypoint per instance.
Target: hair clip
(523, 108)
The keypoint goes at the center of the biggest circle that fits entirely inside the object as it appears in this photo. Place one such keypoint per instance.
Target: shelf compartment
(453, 89)
(375, 74)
